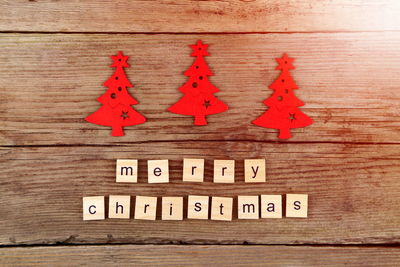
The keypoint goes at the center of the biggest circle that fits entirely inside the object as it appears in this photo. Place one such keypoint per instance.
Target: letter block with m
(126, 171)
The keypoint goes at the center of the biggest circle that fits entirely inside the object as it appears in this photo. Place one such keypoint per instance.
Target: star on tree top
(285, 63)
(199, 49)
(120, 60)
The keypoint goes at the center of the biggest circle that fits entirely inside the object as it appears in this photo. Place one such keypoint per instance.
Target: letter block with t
(297, 205)
(93, 208)
(126, 170)
(221, 208)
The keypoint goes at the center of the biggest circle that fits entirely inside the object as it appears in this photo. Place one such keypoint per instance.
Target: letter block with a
(93, 208)
(271, 206)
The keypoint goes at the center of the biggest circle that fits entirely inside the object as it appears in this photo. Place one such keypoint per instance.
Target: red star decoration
(120, 60)
(199, 49)
(285, 63)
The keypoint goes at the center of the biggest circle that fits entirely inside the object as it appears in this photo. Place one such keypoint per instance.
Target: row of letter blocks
(193, 171)
(198, 207)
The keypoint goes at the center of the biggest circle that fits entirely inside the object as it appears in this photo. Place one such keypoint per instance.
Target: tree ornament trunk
(200, 120)
(284, 133)
(117, 131)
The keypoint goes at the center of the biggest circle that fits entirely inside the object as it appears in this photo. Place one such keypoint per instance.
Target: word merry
(193, 171)
(249, 207)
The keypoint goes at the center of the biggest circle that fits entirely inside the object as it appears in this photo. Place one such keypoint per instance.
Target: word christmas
(193, 171)
(197, 207)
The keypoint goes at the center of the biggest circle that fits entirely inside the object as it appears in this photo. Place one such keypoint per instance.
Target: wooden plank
(49, 84)
(353, 193)
(173, 255)
(199, 16)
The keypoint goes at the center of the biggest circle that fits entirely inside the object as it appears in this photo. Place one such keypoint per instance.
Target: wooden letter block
(145, 208)
(221, 208)
(172, 208)
(296, 205)
(158, 171)
(193, 170)
(127, 170)
(254, 170)
(93, 208)
(248, 207)
(119, 207)
(224, 171)
(198, 207)
(271, 206)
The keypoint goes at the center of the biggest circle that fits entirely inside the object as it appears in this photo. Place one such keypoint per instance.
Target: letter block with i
(172, 208)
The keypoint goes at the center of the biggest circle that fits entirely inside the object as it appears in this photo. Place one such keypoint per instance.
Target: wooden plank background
(54, 57)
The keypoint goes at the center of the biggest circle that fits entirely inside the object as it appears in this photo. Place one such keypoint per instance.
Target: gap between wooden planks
(347, 80)
(199, 16)
(353, 192)
(139, 255)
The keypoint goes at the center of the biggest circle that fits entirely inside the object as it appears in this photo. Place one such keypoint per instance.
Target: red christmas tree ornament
(198, 100)
(116, 110)
(283, 112)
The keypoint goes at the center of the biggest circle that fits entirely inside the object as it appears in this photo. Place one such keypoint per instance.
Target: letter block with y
(127, 170)
(254, 170)
(93, 208)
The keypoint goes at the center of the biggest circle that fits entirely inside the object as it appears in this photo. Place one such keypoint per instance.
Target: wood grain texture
(353, 193)
(199, 16)
(171, 255)
(49, 84)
